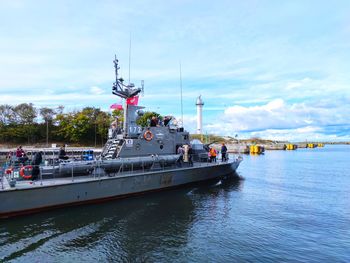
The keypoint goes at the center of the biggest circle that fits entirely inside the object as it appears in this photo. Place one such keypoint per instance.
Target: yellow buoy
(291, 146)
(251, 149)
(256, 149)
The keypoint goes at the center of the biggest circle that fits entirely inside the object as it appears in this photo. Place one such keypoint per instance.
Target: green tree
(103, 122)
(62, 122)
(145, 119)
(119, 114)
(25, 114)
(7, 114)
(47, 114)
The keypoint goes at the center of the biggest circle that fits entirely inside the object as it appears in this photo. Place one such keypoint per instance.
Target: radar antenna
(119, 88)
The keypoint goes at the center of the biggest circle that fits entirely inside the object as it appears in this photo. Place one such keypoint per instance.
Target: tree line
(27, 124)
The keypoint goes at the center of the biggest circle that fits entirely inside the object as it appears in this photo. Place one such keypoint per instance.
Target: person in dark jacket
(37, 159)
(190, 155)
(154, 121)
(223, 152)
(62, 154)
(166, 120)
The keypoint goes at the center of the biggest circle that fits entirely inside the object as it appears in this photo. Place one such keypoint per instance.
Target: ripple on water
(291, 207)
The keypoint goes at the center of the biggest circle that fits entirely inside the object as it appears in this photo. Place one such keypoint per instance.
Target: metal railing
(66, 170)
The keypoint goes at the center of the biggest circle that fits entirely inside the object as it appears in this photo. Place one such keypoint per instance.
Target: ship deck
(95, 176)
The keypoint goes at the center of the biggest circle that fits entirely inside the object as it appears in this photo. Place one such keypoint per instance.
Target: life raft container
(23, 170)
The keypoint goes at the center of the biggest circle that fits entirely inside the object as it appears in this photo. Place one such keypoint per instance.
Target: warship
(135, 160)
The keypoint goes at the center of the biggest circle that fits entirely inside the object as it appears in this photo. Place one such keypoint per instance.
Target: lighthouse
(199, 104)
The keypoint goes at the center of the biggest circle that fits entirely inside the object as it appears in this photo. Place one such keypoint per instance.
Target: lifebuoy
(148, 135)
(23, 175)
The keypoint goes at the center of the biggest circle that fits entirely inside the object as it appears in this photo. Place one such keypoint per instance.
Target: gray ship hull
(65, 192)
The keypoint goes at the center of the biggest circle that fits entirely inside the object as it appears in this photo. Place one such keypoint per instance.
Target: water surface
(292, 206)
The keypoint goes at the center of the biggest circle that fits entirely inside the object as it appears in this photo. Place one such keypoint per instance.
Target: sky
(271, 69)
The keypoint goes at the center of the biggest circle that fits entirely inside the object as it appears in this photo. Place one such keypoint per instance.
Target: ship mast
(123, 91)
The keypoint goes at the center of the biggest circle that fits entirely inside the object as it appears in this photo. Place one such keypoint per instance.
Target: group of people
(212, 154)
(154, 122)
(36, 160)
(21, 155)
(181, 152)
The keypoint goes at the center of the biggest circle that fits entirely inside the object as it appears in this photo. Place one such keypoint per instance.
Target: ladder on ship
(111, 149)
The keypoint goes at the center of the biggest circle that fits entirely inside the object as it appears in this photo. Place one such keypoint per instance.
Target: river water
(291, 206)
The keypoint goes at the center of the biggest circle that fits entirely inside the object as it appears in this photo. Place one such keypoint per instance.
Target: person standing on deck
(62, 154)
(19, 152)
(36, 163)
(213, 154)
(21, 155)
(154, 121)
(190, 155)
(223, 152)
(181, 152)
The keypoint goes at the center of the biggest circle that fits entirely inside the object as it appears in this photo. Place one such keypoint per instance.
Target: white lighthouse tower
(199, 104)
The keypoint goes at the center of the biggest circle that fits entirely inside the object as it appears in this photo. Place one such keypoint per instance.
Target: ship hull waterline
(17, 202)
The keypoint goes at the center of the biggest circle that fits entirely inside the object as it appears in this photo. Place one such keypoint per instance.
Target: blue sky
(273, 69)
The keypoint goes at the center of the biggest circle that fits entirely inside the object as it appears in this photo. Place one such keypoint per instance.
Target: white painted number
(135, 129)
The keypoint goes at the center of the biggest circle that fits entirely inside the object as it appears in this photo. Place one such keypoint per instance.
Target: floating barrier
(291, 146)
(302, 145)
(256, 149)
(279, 146)
(320, 145)
(311, 145)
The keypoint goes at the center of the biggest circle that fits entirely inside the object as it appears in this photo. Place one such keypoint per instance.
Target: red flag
(133, 101)
(116, 107)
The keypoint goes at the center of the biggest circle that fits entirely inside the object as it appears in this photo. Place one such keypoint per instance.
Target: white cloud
(280, 120)
(309, 133)
(297, 84)
(96, 90)
(231, 53)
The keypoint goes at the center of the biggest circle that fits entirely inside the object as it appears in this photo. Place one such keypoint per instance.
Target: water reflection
(123, 230)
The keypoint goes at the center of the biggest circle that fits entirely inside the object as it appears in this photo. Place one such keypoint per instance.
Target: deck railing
(94, 170)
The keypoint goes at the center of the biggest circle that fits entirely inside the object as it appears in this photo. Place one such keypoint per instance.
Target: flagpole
(182, 111)
(129, 56)
(125, 115)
